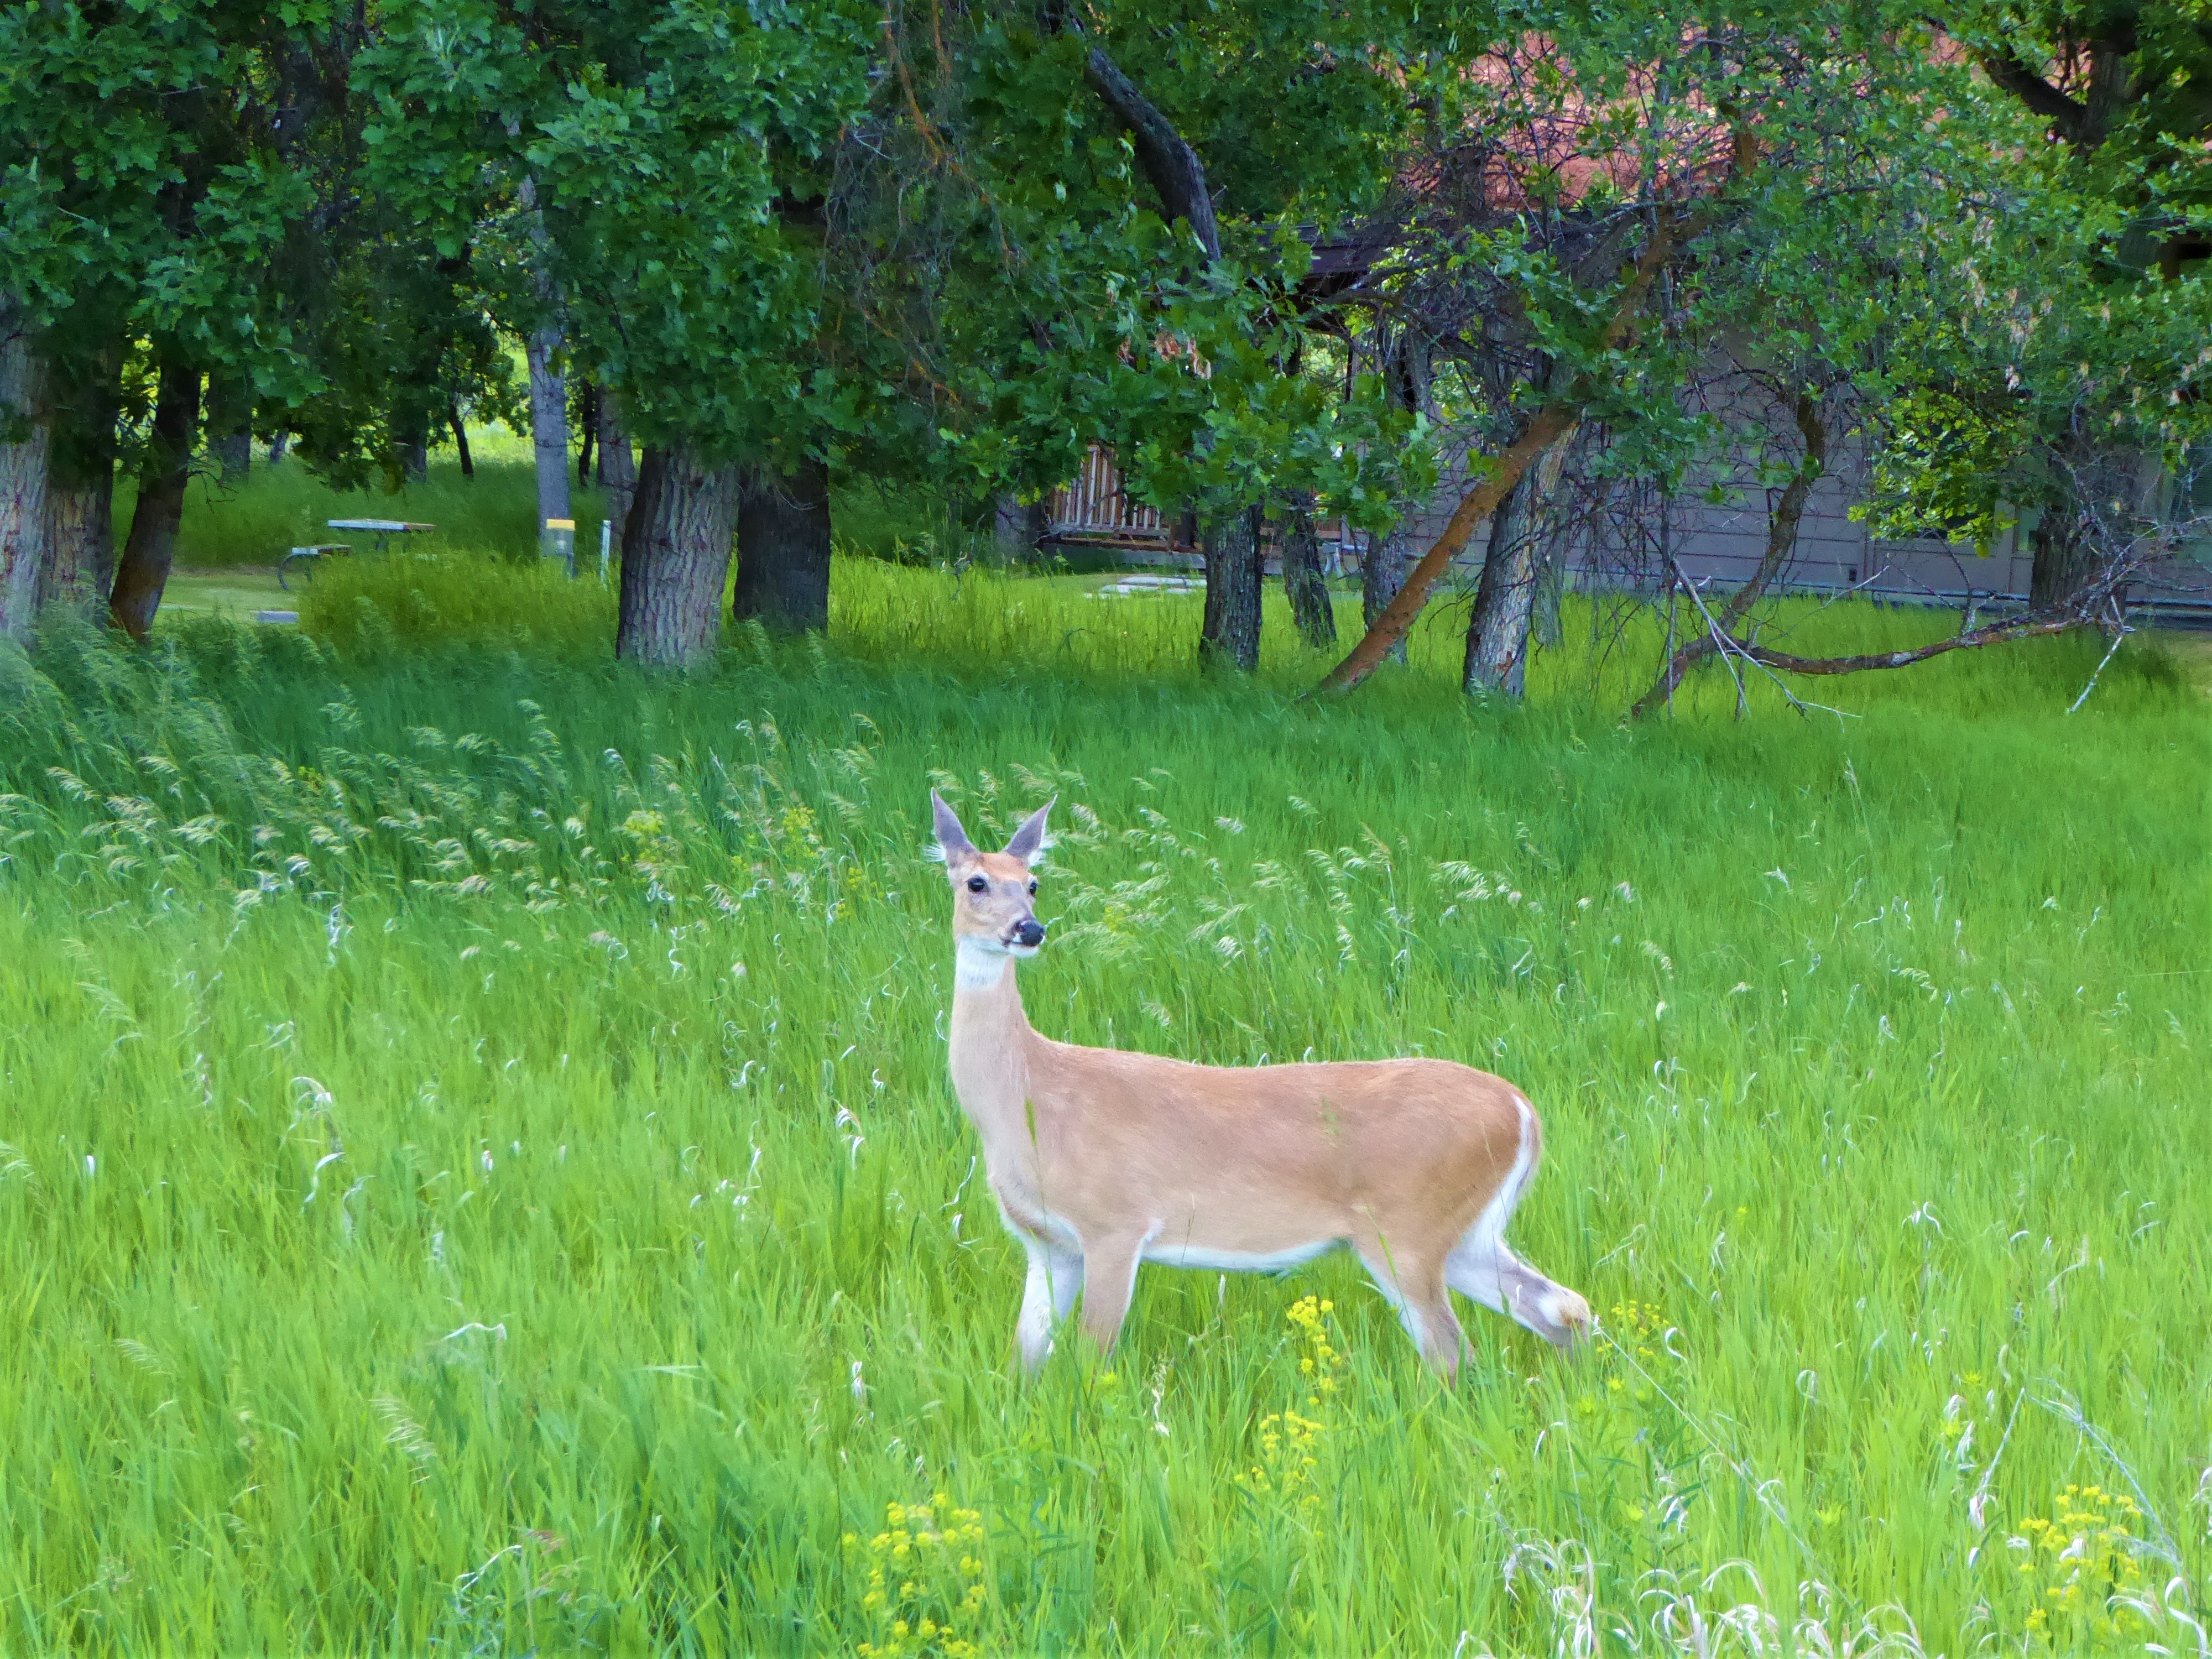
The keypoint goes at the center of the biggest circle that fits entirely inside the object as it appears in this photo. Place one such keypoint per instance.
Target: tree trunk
(1497, 631)
(143, 571)
(1231, 632)
(590, 422)
(461, 439)
(80, 487)
(2063, 565)
(1551, 588)
(24, 437)
(549, 423)
(81, 530)
(617, 465)
(1020, 527)
(1381, 573)
(1541, 525)
(783, 550)
(230, 428)
(415, 454)
(676, 556)
(1302, 578)
(549, 391)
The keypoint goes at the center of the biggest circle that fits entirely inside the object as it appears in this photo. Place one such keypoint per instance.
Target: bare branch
(2064, 113)
(1781, 544)
(2120, 632)
(2034, 625)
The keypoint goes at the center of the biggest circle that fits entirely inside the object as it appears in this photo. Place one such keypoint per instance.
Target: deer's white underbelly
(1036, 1221)
(1171, 1254)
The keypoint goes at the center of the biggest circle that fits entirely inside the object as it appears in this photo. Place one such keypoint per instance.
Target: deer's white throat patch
(978, 965)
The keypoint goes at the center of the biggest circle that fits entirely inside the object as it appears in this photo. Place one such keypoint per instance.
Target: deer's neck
(990, 1046)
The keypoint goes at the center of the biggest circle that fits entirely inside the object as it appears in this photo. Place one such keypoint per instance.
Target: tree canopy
(1280, 259)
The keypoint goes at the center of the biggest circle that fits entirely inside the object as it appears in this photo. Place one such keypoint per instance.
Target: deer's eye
(1033, 887)
(977, 884)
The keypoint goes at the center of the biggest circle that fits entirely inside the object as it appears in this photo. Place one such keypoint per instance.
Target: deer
(1102, 1158)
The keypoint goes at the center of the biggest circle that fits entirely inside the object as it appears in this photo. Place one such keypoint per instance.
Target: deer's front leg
(1055, 1277)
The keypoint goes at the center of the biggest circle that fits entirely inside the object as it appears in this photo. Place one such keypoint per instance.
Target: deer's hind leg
(1483, 1269)
(1412, 1282)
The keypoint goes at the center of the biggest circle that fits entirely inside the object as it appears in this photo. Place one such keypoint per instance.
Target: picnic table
(382, 529)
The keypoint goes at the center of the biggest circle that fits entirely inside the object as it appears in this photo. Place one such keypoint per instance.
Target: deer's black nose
(1029, 934)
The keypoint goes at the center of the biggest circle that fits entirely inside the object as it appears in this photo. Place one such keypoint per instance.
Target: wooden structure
(1094, 510)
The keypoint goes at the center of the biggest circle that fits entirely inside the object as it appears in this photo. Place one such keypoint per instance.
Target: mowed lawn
(480, 1175)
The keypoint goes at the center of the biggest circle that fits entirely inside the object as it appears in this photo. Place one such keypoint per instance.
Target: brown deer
(1102, 1159)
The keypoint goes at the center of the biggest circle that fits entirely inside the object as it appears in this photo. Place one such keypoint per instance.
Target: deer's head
(993, 893)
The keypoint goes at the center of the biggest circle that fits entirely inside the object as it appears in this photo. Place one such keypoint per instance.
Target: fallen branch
(2020, 628)
(1724, 642)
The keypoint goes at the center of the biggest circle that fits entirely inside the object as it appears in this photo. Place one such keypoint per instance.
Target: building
(1717, 546)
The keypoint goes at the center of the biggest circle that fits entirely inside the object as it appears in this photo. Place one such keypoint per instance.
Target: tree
(661, 150)
(2126, 89)
(1794, 205)
(1095, 229)
(161, 177)
(1964, 317)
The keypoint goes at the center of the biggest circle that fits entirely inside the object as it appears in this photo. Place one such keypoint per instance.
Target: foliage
(709, 320)
(144, 184)
(996, 226)
(2042, 346)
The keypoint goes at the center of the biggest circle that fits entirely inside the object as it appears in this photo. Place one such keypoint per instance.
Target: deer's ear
(952, 842)
(1030, 841)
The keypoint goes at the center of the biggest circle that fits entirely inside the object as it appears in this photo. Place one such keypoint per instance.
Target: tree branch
(1168, 159)
(2038, 95)
(2020, 628)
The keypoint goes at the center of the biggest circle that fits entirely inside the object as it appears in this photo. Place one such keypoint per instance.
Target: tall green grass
(481, 1176)
(996, 621)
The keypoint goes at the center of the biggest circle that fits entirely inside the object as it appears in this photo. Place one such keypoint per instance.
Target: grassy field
(481, 1178)
(285, 506)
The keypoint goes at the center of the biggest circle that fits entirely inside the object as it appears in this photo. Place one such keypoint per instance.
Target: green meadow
(480, 1177)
